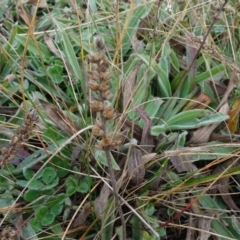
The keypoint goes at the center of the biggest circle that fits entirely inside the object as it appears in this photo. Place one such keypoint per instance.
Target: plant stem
(115, 191)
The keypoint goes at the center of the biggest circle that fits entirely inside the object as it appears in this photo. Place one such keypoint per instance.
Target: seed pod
(108, 111)
(93, 85)
(93, 75)
(96, 106)
(105, 76)
(103, 65)
(97, 131)
(107, 95)
(103, 87)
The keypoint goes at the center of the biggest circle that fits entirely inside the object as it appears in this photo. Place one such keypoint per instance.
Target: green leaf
(83, 187)
(36, 185)
(55, 73)
(62, 166)
(41, 212)
(57, 209)
(71, 185)
(209, 74)
(35, 224)
(188, 120)
(220, 229)
(174, 60)
(31, 195)
(132, 25)
(69, 51)
(31, 47)
(28, 173)
(47, 219)
(187, 115)
(56, 228)
(48, 175)
(101, 158)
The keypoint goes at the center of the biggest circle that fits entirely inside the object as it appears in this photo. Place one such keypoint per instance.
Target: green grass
(176, 165)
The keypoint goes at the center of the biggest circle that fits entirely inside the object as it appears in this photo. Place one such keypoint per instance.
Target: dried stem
(99, 79)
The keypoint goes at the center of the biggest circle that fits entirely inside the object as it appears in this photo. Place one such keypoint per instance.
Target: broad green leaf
(31, 195)
(48, 175)
(174, 60)
(36, 185)
(220, 229)
(32, 46)
(47, 219)
(35, 224)
(182, 122)
(214, 71)
(56, 209)
(41, 212)
(187, 115)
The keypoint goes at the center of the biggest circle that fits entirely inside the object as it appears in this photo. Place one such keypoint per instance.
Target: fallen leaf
(232, 122)
(56, 115)
(23, 13)
(200, 102)
(75, 154)
(182, 163)
(191, 63)
(231, 86)
(192, 225)
(101, 201)
(49, 42)
(223, 183)
(129, 85)
(202, 135)
(147, 140)
(80, 220)
(135, 166)
(204, 224)
(37, 3)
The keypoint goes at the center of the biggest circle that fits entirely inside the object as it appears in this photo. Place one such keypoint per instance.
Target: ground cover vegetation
(119, 119)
